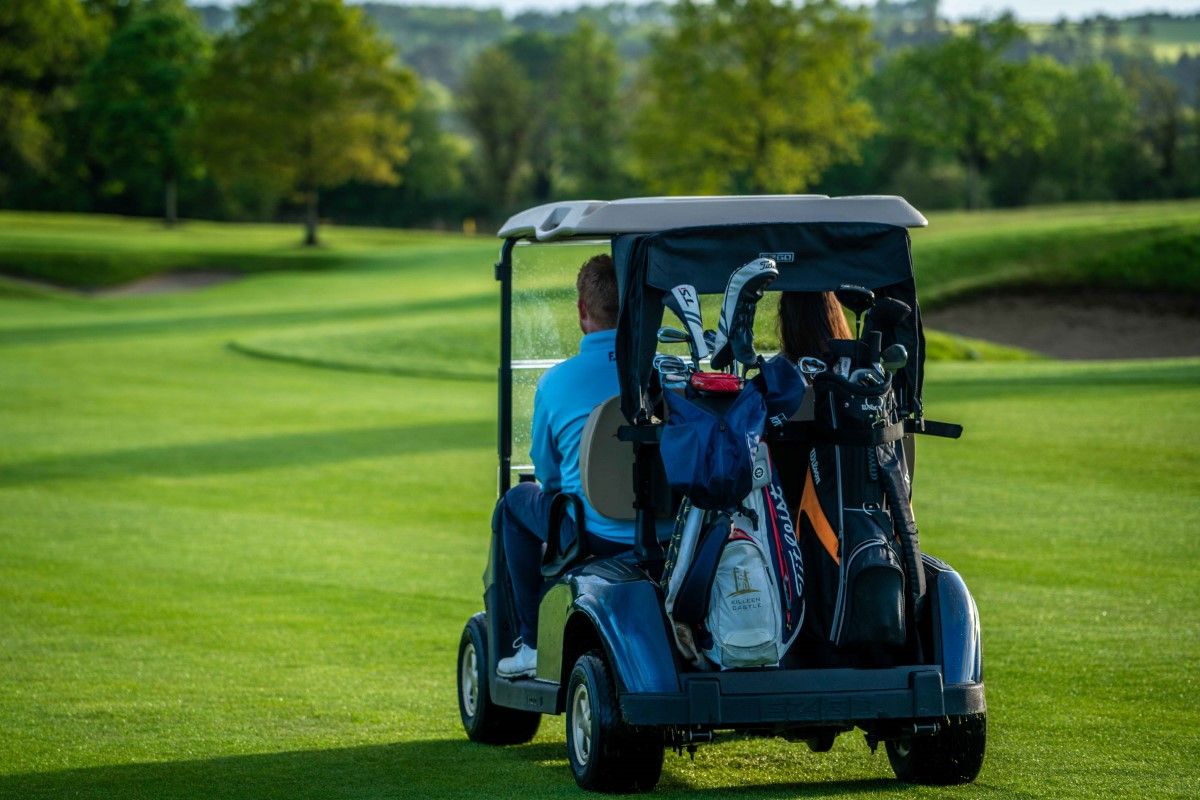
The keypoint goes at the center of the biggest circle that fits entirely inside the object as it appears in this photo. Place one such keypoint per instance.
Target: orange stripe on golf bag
(810, 505)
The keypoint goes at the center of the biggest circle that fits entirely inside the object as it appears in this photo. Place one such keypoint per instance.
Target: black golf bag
(864, 582)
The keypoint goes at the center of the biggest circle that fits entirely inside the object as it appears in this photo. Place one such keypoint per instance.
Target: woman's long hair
(807, 321)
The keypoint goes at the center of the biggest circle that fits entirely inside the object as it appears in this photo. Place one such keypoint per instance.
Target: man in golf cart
(565, 398)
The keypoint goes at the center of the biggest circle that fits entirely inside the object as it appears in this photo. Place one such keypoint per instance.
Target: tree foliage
(304, 95)
(590, 119)
(964, 96)
(753, 96)
(136, 102)
(495, 98)
(44, 47)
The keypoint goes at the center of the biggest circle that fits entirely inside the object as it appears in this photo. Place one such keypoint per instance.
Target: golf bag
(733, 578)
(858, 538)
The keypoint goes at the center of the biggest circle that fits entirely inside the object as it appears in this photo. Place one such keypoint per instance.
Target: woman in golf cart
(807, 321)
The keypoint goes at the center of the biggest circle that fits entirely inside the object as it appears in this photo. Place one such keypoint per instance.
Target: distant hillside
(438, 41)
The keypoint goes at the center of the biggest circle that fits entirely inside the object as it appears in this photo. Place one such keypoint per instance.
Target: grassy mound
(92, 251)
(1144, 246)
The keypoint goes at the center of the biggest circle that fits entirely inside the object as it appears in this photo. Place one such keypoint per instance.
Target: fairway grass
(226, 577)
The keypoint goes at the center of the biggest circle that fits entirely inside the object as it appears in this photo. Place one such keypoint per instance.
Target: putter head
(735, 329)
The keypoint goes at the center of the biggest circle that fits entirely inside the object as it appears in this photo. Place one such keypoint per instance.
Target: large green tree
(494, 100)
(135, 100)
(44, 45)
(753, 96)
(964, 97)
(589, 116)
(304, 95)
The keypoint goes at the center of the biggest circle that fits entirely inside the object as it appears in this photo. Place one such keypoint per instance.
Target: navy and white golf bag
(733, 578)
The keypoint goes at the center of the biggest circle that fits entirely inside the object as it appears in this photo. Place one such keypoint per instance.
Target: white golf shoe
(522, 664)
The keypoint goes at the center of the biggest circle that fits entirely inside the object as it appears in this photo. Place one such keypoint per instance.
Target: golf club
(672, 336)
(886, 314)
(683, 301)
(735, 329)
(811, 365)
(894, 358)
(858, 299)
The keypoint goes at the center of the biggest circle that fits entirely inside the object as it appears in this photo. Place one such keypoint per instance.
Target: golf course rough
(224, 576)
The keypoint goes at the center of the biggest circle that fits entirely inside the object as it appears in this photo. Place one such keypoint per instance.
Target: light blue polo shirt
(565, 397)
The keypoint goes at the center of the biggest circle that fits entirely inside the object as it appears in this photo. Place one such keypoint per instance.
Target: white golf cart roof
(649, 214)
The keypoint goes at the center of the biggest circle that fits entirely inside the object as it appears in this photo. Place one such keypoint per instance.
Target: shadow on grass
(124, 326)
(426, 769)
(258, 453)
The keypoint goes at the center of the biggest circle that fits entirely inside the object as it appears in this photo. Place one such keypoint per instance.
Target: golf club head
(669, 363)
(865, 377)
(856, 298)
(672, 336)
(735, 329)
(811, 365)
(894, 357)
(685, 304)
(887, 313)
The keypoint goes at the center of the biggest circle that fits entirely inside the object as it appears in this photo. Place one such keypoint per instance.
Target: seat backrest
(606, 463)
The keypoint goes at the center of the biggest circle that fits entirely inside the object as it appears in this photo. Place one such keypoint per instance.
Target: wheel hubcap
(581, 724)
(469, 680)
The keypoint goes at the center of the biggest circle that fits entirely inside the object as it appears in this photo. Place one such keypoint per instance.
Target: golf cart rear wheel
(483, 720)
(952, 755)
(606, 755)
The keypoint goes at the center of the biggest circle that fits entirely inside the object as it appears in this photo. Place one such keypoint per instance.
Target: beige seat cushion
(606, 463)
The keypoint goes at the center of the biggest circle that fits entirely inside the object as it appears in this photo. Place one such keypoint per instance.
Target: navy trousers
(523, 515)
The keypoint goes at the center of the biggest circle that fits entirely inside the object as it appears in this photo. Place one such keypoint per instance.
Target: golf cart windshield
(545, 323)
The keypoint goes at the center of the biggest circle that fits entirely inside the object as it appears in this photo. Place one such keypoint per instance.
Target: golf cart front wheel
(606, 755)
(952, 755)
(483, 720)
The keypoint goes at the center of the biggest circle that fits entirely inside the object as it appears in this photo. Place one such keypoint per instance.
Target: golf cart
(607, 653)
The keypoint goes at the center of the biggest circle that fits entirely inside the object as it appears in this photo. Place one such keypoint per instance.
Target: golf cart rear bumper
(805, 697)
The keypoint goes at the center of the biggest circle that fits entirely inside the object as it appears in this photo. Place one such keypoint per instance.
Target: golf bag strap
(947, 430)
(817, 434)
(556, 560)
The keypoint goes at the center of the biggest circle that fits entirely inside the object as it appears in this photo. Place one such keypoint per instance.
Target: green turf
(226, 576)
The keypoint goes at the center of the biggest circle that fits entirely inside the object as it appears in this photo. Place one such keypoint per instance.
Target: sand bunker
(1077, 324)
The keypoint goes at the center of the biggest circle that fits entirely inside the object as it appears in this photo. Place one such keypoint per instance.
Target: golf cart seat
(606, 464)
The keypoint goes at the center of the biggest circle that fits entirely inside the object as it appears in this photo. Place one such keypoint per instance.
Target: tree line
(302, 109)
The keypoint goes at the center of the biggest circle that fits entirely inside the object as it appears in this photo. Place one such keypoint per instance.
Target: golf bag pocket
(870, 603)
(709, 455)
(743, 611)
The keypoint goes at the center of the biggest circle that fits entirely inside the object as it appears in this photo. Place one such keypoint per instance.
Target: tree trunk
(310, 219)
(171, 203)
(972, 185)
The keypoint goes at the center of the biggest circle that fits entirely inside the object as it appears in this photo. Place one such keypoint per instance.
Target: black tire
(952, 755)
(606, 755)
(484, 721)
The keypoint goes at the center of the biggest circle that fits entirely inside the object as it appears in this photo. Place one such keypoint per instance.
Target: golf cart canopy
(819, 243)
(649, 214)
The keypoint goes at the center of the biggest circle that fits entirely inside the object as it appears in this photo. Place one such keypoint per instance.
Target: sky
(1031, 10)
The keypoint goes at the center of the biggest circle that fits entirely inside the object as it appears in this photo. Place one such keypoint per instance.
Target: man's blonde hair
(597, 287)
